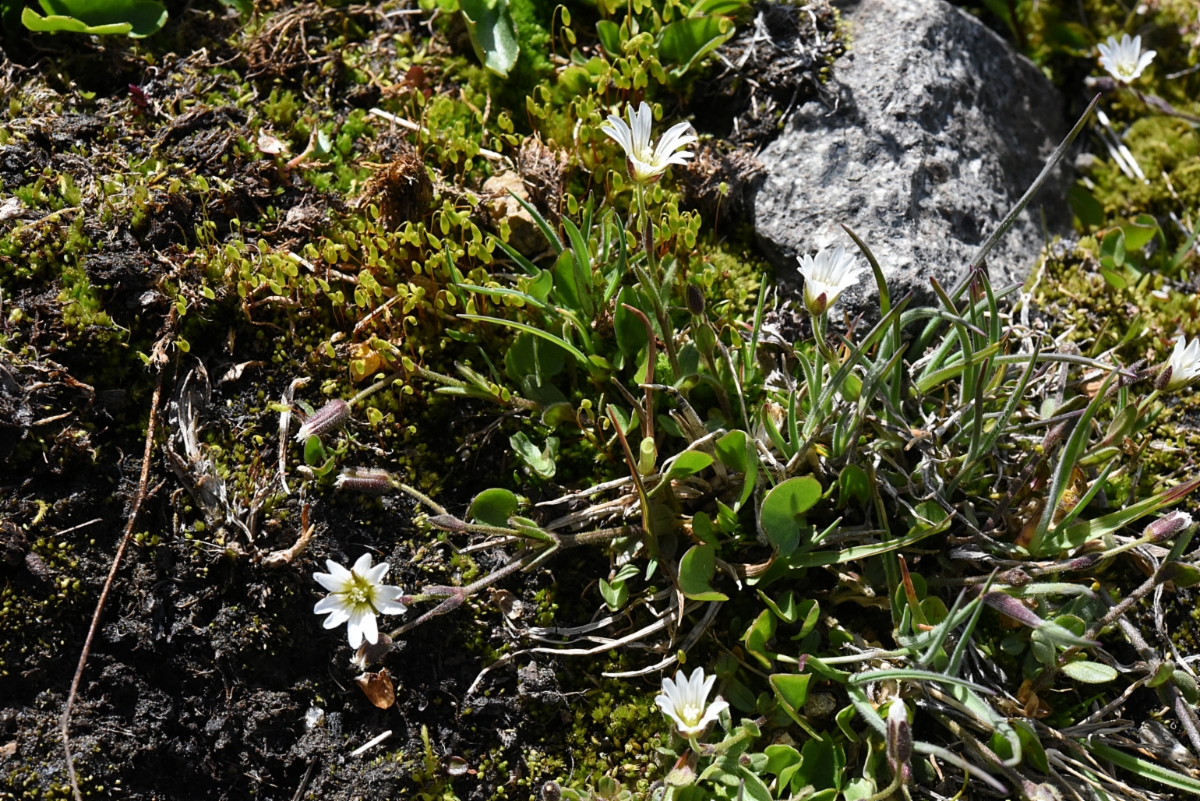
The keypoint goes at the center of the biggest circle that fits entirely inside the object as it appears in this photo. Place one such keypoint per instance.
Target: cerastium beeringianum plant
(933, 514)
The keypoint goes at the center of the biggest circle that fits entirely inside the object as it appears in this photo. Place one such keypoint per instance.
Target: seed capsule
(899, 735)
(1167, 527)
(329, 417)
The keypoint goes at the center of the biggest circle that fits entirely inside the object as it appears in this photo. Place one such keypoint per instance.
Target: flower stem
(649, 278)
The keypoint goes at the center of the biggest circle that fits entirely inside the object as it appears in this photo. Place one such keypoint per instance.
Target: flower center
(359, 593)
(691, 714)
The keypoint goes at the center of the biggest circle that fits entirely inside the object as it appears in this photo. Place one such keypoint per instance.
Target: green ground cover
(935, 555)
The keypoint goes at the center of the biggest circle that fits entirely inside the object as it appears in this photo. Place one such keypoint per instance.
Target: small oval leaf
(782, 506)
(1089, 672)
(493, 507)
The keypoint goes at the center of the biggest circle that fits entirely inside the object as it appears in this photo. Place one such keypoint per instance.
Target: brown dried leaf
(378, 688)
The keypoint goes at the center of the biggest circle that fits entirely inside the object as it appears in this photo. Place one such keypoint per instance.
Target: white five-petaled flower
(1124, 60)
(1183, 367)
(686, 703)
(357, 595)
(826, 276)
(646, 161)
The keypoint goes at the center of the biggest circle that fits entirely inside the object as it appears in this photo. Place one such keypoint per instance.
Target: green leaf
(610, 36)
(1182, 575)
(689, 463)
(719, 7)
(314, 452)
(1077, 534)
(785, 609)
(1112, 249)
(780, 757)
(135, 18)
(540, 462)
(1139, 232)
(859, 790)
(493, 507)
(531, 356)
(781, 507)
(541, 285)
(808, 611)
(703, 530)
(493, 33)
(740, 696)
(1089, 672)
(934, 609)
(537, 332)
(821, 764)
(630, 332)
(756, 637)
(752, 788)
(581, 266)
(686, 41)
(853, 483)
(1089, 210)
(615, 594)
(625, 420)
(737, 452)
(1031, 746)
(566, 285)
(792, 691)
(696, 570)
(1114, 278)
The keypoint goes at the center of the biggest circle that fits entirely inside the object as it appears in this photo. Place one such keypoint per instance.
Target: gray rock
(932, 130)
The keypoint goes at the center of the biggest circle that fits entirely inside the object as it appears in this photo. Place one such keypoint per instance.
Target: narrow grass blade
(820, 558)
(960, 649)
(541, 223)
(1062, 471)
(752, 359)
(916, 675)
(1143, 768)
(1033, 189)
(927, 335)
(1001, 423)
(516, 256)
(537, 332)
(502, 292)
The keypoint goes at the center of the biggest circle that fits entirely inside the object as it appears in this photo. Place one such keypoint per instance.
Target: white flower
(1124, 60)
(826, 276)
(646, 162)
(357, 595)
(1183, 368)
(686, 703)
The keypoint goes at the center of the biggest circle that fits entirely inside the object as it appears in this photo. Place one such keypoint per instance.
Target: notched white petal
(330, 582)
(363, 565)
